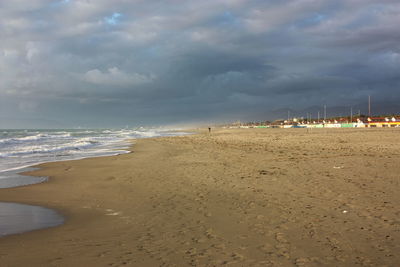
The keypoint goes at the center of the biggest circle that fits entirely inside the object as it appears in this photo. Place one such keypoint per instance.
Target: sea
(21, 149)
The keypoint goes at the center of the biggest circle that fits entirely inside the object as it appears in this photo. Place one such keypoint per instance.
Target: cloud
(167, 61)
(115, 77)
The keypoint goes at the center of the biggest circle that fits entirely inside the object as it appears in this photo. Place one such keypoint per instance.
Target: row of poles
(351, 111)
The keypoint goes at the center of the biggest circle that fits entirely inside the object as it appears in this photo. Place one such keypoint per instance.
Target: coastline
(247, 197)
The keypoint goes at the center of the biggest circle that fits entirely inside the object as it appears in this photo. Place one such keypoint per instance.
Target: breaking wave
(21, 148)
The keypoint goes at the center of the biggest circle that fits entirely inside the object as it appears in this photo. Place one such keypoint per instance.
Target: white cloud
(115, 77)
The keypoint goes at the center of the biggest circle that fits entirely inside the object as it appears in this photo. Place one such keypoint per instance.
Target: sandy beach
(237, 197)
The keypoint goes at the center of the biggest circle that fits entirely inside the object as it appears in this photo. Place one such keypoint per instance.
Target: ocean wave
(19, 148)
(30, 138)
(146, 133)
(39, 149)
(23, 139)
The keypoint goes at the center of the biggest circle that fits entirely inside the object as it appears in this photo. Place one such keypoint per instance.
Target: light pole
(369, 106)
(351, 114)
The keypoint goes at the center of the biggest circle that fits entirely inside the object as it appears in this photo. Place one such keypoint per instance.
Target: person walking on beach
(209, 129)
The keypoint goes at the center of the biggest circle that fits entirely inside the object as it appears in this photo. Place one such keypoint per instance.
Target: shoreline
(248, 197)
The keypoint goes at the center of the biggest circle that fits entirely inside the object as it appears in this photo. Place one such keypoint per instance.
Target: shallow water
(13, 179)
(19, 218)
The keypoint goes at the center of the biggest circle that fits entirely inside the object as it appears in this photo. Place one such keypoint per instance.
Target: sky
(101, 63)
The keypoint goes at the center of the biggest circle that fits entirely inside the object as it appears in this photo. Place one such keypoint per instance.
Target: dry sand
(245, 197)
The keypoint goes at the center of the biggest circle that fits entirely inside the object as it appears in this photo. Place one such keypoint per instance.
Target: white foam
(21, 149)
(30, 138)
(37, 149)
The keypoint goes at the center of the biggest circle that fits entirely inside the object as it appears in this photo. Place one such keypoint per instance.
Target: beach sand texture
(241, 197)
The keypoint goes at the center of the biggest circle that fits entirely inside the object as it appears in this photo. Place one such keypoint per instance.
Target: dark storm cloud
(112, 63)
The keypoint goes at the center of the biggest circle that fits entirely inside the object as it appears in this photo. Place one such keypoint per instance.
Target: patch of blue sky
(114, 19)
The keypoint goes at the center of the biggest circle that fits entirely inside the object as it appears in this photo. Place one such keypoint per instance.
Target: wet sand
(243, 197)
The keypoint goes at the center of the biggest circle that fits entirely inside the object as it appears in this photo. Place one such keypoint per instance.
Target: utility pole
(369, 106)
(324, 112)
(351, 114)
(288, 115)
(318, 116)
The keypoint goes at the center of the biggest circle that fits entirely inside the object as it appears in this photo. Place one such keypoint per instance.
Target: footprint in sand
(302, 262)
(280, 237)
(209, 234)
(282, 246)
